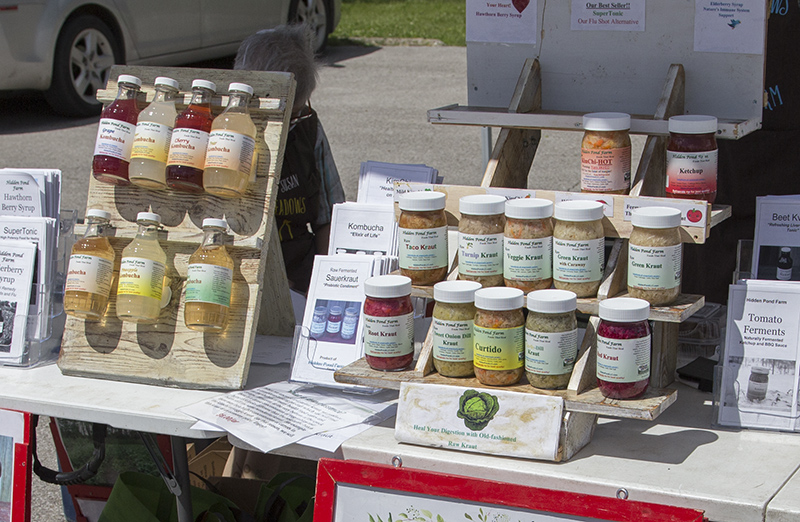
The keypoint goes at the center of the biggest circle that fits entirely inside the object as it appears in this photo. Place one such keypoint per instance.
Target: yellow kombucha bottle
(208, 280)
(91, 270)
(141, 273)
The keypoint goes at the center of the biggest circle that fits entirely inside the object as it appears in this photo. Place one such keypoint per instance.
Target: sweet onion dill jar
(480, 238)
(388, 323)
(528, 244)
(551, 338)
(499, 335)
(578, 247)
(654, 255)
(422, 237)
(623, 347)
(453, 319)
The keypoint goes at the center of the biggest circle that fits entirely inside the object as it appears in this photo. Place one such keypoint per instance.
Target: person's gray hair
(286, 48)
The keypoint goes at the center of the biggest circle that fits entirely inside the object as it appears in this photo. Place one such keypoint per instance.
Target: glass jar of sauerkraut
(578, 247)
(528, 244)
(654, 255)
(551, 338)
(480, 239)
(606, 153)
(422, 234)
(499, 336)
(623, 347)
(388, 323)
(453, 318)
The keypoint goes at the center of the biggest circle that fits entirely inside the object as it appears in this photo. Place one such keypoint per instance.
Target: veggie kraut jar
(480, 239)
(528, 244)
(623, 347)
(578, 247)
(606, 153)
(422, 233)
(499, 336)
(551, 338)
(388, 323)
(453, 318)
(654, 255)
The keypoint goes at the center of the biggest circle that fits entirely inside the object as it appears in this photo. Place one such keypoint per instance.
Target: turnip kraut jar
(388, 323)
(422, 237)
(480, 238)
(655, 255)
(452, 324)
(623, 347)
(499, 336)
(551, 338)
(578, 247)
(528, 244)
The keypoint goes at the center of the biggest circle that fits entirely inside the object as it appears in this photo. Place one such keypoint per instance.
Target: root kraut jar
(422, 231)
(480, 239)
(623, 347)
(499, 336)
(388, 323)
(528, 244)
(578, 247)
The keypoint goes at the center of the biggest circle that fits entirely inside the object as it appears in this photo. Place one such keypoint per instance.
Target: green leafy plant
(477, 409)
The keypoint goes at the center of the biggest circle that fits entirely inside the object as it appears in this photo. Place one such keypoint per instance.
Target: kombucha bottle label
(90, 274)
(188, 148)
(209, 284)
(114, 138)
(142, 277)
(230, 150)
(151, 141)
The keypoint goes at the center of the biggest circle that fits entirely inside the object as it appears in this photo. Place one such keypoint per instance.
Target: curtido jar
(499, 335)
(480, 238)
(623, 347)
(692, 157)
(452, 323)
(528, 244)
(551, 338)
(422, 234)
(388, 323)
(606, 153)
(578, 247)
(655, 255)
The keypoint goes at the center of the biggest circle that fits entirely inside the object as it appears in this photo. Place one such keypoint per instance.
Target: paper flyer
(776, 241)
(729, 26)
(17, 259)
(608, 16)
(362, 227)
(511, 21)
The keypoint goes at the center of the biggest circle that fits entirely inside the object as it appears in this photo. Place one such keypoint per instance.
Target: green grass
(442, 20)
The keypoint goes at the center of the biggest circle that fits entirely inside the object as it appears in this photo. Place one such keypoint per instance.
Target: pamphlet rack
(167, 352)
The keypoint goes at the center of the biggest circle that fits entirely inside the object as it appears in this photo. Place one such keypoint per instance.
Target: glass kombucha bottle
(141, 273)
(208, 280)
(112, 148)
(91, 270)
(152, 137)
(187, 148)
(229, 158)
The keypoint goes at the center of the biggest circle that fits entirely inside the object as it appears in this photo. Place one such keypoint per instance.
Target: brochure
(376, 179)
(46, 181)
(17, 259)
(363, 228)
(776, 241)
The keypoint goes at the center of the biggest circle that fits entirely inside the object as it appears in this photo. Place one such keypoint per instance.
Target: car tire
(85, 51)
(317, 16)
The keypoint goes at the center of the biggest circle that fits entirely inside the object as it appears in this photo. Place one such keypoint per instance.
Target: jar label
(499, 348)
(423, 248)
(578, 261)
(142, 277)
(605, 170)
(188, 148)
(89, 274)
(349, 324)
(209, 284)
(757, 391)
(550, 353)
(654, 268)
(319, 321)
(452, 340)
(389, 336)
(623, 360)
(784, 274)
(480, 254)
(230, 150)
(334, 323)
(151, 141)
(528, 259)
(114, 138)
(691, 173)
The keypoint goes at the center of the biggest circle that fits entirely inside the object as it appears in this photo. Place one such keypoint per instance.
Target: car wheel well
(106, 17)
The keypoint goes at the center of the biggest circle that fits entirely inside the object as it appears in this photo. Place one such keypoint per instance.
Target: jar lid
(783, 249)
(693, 124)
(624, 309)
(336, 310)
(656, 217)
(166, 81)
(148, 216)
(455, 291)
(387, 286)
(552, 301)
(212, 222)
(96, 212)
(482, 204)
(421, 201)
(760, 370)
(529, 208)
(499, 298)
(241, 87)
(127, 78)
(606, 121)
(578, 210)
(205, 84)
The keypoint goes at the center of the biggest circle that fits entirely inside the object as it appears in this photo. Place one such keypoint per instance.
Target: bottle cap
(578, 210)
(624, 309)
(241, 87)
(529, 208)
(606, 121)
(455, 291)
(692, 124)
(166, 81)
(387, 286)
(499, 298)
(205, 84)
(127, 78)
(656, 217)
(783, 249)
(482, 204)
(212, 222)
(96, 212)
(148, 216)
(421, 201)
(552, 301)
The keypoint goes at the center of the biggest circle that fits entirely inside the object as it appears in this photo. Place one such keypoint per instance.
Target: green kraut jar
(453, 318)
(551, 338)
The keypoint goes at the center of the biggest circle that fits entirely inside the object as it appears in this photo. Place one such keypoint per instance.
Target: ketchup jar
(388, 323)
(114, 143)
(692, 158)
(623, 347)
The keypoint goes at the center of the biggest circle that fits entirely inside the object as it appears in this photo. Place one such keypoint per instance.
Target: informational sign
(498, 21)
(729, 27)
(607, 16)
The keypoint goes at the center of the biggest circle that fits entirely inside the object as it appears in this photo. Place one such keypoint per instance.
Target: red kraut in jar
(623, 319)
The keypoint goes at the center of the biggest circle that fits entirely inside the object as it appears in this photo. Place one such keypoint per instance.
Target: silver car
(67, 47)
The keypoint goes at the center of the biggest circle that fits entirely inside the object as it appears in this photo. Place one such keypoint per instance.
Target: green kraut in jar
(551, 338)
(453, 317)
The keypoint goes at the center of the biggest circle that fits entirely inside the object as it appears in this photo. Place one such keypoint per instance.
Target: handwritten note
(511, 21)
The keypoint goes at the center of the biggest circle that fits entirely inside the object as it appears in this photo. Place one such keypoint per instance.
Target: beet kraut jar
(499, 336)
(388, 323)
(422, 232)
(623, 347)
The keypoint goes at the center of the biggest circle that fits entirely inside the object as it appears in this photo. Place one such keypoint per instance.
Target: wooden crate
(167, 353)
